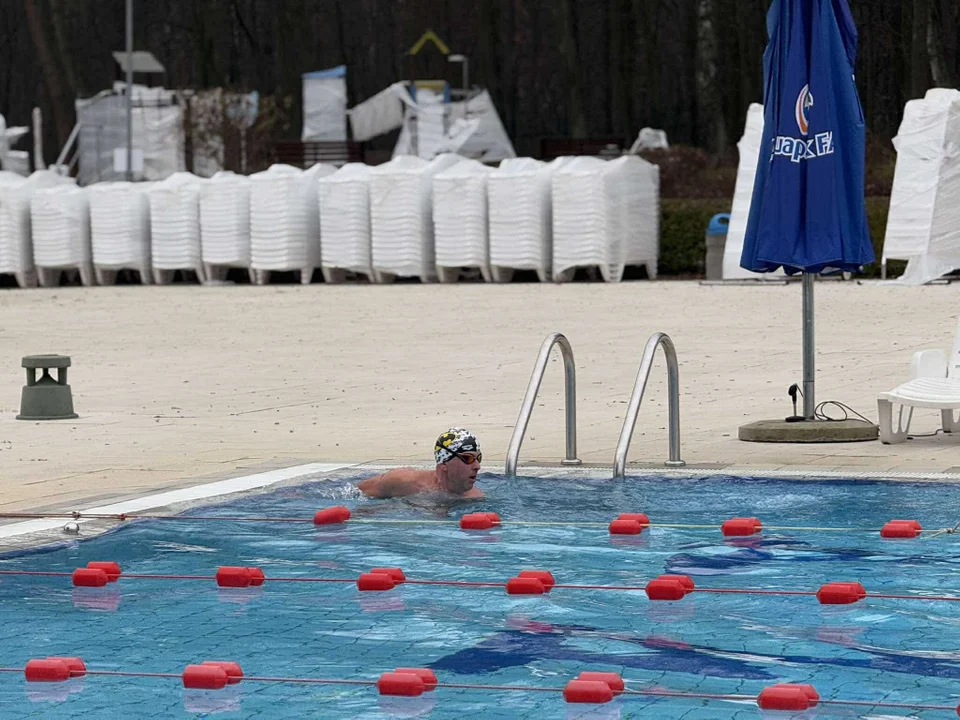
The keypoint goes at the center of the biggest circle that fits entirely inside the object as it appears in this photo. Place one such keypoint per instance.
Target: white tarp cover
(923, 224)
(325, 105)
(379, 114)
(749, 147)
(471, 128)
(157, 131)
(650, 139)
(606, 214)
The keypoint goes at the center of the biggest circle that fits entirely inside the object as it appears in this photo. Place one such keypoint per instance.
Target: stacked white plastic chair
(401, 216)
(175, 226)
(606, 214)
(749, 149)
(923, 225)
(285, 221)
(16, 246)
(120, 229)
(460, 220)
(520, 217)
(344, 200)
(60, 223)
(225, 224)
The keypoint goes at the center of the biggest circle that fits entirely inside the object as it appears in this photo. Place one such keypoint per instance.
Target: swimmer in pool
(458, 457)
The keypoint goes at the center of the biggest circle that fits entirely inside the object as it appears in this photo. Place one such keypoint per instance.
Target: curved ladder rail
(673, 391)
(533, 387)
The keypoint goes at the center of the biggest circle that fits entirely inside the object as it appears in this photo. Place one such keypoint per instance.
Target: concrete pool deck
(180, 385)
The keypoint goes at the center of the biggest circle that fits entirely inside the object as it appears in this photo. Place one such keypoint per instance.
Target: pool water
(878, 649)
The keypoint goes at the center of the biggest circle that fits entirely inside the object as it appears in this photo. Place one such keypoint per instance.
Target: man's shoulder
(398, 482)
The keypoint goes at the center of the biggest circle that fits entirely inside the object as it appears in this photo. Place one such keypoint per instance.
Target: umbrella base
(808, 431)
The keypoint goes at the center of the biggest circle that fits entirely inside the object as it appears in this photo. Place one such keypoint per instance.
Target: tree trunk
(569, 47)
(57, 89)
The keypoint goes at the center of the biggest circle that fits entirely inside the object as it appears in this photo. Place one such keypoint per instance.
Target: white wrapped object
(60, 219)
(401, 216)
(344, 200)
(650, 139)
(460, 219)
(606, 215)
(225, 220)
(175, 223)
(521, 216)
(749, 148)
(325, 105)
(284, 219)
(16, 246)
(923, 225)
(120, 228)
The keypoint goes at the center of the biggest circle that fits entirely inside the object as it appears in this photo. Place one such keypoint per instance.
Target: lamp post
(466, 69)
(129, 172)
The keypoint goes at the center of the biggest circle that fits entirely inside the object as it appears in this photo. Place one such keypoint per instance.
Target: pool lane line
(473, 583)
(78, 515)
(676, 694)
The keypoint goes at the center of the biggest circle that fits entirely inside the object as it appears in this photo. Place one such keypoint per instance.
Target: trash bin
(716, 240)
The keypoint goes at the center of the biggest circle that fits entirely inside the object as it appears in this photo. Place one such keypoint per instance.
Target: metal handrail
(633, 410)
(68, 145)
(533, 387)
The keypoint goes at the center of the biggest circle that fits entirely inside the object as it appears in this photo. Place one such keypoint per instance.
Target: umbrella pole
(809, 370)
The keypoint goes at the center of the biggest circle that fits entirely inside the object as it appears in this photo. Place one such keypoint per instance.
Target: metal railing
(633, 410)
(533, 387)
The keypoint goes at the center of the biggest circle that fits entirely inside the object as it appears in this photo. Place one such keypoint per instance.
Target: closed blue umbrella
(807, 213)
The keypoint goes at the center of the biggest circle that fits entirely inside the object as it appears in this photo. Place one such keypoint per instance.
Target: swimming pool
(877, 649)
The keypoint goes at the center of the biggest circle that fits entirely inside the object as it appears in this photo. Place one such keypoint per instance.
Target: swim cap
(454, 440)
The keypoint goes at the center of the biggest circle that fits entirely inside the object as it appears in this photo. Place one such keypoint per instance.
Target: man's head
(458, 460)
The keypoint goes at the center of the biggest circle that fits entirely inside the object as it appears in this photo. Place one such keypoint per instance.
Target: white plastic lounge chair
(934, 383)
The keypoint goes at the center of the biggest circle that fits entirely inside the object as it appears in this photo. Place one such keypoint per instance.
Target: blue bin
(716, 239)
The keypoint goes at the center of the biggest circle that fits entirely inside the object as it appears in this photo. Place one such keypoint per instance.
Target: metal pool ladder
(633, 410)
(530, 397)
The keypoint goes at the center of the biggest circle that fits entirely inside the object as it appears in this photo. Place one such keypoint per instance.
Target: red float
(639, 517)
(232, 669)
(205, 677)
(395, 573)
(494, 518)
(622, 526)
(840, 593)
(112, 569)
(901, 529)
(374, 582)
(476, 521)
(404, 684)
(90, 577)
(613, 681)
(331, 515)
(666, 589)
(741, 526)
(426, 674)
(787, 696)
(684, 580)
(75, 665)
(47, 670)
(237, 577)
(544, 576)
(525, 586)
(587, 691)
(257, 578)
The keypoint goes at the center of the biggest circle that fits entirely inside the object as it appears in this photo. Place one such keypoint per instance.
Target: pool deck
(181, 385)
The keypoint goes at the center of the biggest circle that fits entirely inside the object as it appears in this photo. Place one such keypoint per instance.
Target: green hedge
(683, 223)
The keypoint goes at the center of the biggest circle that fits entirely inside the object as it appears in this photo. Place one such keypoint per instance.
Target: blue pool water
(892, 650)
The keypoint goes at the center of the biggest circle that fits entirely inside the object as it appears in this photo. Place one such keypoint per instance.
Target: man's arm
(390, 484)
